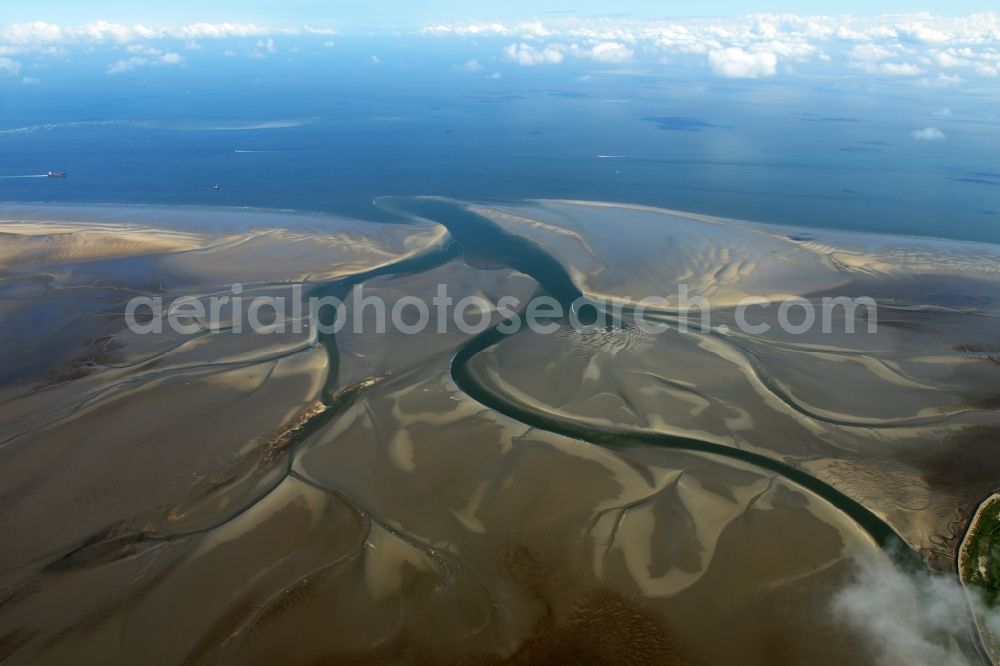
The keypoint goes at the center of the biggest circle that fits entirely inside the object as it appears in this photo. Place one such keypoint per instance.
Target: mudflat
(591, 491)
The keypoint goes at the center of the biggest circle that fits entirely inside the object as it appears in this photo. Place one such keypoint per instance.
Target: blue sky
(407, 13)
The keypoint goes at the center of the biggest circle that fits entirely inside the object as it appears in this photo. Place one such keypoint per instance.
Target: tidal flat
(697, 495)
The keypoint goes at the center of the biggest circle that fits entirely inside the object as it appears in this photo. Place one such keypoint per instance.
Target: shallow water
(809, 151)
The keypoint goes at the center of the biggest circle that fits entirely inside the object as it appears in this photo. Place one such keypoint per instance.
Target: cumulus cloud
(610, 52)
(752, 46)
(949, 59)
(551, 54)
(9, 67)
(870, 52)
(522, 29)
(142, 49)
(135, 62)
(471, 66)
(735, 63)
(923, 47)
(31, 33)
(31, 81)
(38, 33)
(908, 618)
(928, 134)
(263, 48)
(525, 54)
(100, 31)
(921, 32)
(127, 65)
(216, 31)
(311, 30)
(899, 69)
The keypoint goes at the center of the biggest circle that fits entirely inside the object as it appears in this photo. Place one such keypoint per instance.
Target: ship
(56, 174)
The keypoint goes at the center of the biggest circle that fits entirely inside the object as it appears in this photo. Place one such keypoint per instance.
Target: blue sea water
(328, 130)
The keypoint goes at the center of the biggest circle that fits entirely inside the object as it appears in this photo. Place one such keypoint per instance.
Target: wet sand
(599, 496)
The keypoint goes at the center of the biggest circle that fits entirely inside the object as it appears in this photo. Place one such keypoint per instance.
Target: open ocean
(329, 135)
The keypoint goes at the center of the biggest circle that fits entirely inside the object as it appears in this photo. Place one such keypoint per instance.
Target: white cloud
(36, 33)
(928, 134)
(899, 69)
(735, 63)
(444, 30)
(901, 614)
(329, 44)
(31, 81)
(551, 54)
(310, 30)
(31, 33)
(9, 67)
(135, 62)
(216, 31)
(523, 29)
(946, 59)
(610, 52)
(752, 46)
(471, 66)
(870, 52)
(922, 46)
(922, 33)
(525, 54)
(142, 49)
(374, 60)
(100, 31)
(126, 65)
